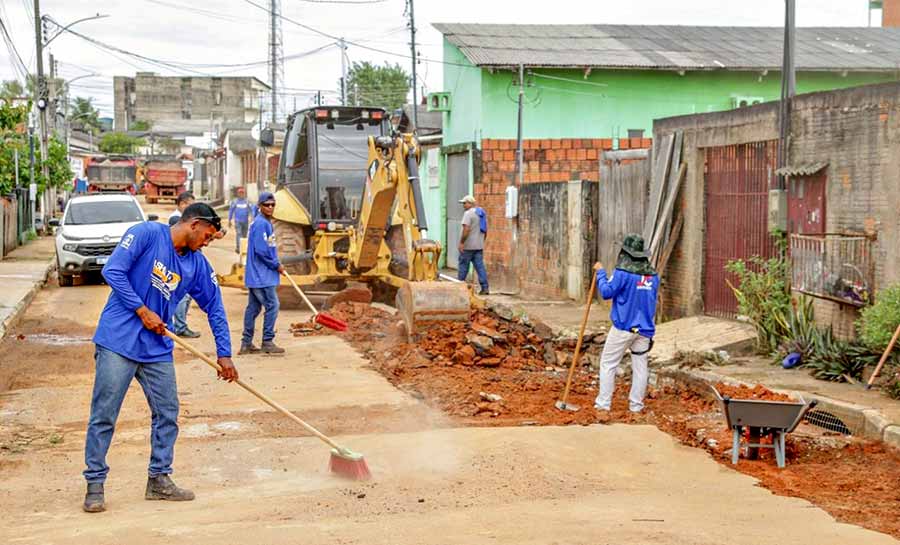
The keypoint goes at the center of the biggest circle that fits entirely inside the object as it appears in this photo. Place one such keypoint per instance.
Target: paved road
(258, 479)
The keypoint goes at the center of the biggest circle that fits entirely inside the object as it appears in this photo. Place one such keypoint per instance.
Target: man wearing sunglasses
(262, 274)
(151, 270)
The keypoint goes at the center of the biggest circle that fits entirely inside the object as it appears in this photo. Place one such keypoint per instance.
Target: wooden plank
(657, 185)
(673, 178)
(667, 210)
(670, 245)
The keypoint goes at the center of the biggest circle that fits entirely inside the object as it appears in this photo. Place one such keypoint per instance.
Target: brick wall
(890, 15)
(545, 162)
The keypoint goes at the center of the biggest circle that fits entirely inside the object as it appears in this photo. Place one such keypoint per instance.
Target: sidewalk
(23, 272)
(865, 413)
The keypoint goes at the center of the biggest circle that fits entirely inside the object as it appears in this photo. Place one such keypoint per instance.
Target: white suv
(90, 230)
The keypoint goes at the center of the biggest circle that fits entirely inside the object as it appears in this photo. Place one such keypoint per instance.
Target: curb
(861, 420)
(23, 303)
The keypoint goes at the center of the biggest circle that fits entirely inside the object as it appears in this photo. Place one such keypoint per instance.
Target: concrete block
(875, 423)
(892, 435)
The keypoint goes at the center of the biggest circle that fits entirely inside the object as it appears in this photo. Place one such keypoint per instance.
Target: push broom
(321, 318)
(563, 403)
(343, 462)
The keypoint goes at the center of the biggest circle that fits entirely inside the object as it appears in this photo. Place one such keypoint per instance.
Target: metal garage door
(457, 188)
(737, 192)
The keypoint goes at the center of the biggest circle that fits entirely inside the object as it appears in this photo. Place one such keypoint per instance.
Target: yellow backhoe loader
(349, 209)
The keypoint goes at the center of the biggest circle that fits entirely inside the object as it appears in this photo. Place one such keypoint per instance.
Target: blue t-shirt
(634, 300)
(145, 269)
(261, 270)
(240, 211)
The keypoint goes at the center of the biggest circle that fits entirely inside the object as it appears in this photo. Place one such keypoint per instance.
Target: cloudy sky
(190, 34)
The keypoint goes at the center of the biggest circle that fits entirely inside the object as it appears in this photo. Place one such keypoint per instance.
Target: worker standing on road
(240, 214)
(633, 288)
(178, 325)
(262, 275)
(152, 267)
(471, 242)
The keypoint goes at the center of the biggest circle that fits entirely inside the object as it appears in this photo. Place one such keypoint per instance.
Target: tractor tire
(291, 240)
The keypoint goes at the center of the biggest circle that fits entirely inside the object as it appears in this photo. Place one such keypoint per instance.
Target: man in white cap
(471, 242)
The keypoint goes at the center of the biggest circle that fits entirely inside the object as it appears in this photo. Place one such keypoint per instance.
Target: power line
(343, 1)
(13, 52)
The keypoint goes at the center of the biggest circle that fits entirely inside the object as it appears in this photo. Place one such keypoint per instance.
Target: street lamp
(47, 18)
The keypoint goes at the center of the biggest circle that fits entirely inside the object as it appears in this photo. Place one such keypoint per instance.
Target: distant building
(153, 98)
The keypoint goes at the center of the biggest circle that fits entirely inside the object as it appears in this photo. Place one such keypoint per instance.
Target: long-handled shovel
(343, 461)
(322, 318)
(884, 357)
(562, 404)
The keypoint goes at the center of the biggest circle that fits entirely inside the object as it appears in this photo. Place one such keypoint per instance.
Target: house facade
(590, 88)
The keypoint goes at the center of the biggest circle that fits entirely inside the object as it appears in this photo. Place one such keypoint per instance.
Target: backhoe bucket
(421, 302)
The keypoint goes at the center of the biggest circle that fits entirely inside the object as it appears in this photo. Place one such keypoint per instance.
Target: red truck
(163, 180)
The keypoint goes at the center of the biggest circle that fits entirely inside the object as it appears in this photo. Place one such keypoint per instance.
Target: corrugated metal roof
(674, 47)
(804, 169)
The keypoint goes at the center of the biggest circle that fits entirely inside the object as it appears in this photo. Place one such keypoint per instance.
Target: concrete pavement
(22, 274)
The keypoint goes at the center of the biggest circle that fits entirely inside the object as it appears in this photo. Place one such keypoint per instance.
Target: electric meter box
(512, 201)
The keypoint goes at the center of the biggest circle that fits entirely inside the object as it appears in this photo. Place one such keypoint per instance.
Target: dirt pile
(758, 392)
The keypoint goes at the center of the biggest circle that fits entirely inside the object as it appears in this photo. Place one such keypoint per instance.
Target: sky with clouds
(192, 34)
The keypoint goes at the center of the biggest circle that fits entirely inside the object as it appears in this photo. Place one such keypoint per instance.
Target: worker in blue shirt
(262, 275)
(633, 288)
(150, 271)
(240, 214)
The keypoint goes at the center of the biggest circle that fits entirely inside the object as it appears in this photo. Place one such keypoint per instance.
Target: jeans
(240, 231)
(476, 257)
(112, 376)
(617, 341)
(259, 298)
(179, 319)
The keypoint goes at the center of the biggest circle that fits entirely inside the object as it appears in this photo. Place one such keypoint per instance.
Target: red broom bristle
(331, 322)
(351, 467)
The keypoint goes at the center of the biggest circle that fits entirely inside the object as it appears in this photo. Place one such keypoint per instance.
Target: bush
(877, 322)
(764, 297)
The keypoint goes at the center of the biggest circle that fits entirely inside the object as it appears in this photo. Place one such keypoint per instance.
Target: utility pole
(40, 89)
(343, 72)
(519, 152)
(788, 88)
(412, 37)
(276, 55)
(318, 98)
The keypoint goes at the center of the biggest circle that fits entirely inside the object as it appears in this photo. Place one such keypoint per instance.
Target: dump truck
(349, 209)
(163, 180)
(111, 174)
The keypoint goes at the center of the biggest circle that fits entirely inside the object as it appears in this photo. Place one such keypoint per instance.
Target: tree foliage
(119, 142)
(877, 322)
(11, 89)
(380, 86)
(82, 112)
(139, 125)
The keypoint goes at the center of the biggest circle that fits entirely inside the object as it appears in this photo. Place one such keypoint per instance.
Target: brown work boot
(161, 487)
(248, 349)
(94, 501)
(268, 347)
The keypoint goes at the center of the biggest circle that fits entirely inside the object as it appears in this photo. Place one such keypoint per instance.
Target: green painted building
(612, 81)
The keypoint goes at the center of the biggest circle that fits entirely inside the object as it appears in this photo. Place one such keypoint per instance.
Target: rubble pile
(758, 392)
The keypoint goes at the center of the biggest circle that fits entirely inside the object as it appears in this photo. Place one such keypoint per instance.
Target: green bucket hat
(633, 245)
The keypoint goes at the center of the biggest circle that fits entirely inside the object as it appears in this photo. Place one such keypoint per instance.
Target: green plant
(117, 142)
(892, 389)
(877, 322)
(763, 296)
(139, 125)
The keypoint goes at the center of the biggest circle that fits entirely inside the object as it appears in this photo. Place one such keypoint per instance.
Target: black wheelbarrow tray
(763, 418)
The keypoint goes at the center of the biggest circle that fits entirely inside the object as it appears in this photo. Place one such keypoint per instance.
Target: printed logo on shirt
(645, 283)
(126, 242)
(215, 279)
(270, 240)
(164, 280)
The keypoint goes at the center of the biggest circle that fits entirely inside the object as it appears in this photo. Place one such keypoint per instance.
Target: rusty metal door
(737, 189)
(806, 204)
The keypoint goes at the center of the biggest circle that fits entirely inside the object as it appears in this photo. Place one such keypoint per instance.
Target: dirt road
(258, 479)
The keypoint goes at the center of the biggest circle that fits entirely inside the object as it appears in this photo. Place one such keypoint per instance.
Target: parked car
(90, 230)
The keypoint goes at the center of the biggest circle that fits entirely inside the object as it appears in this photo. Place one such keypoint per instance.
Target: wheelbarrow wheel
(754, 437)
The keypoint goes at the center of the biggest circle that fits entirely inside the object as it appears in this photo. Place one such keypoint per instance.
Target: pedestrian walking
(149, 271)
(632, 287)
(240, 214)
(471, 242)
(179, 325)
(262, 275)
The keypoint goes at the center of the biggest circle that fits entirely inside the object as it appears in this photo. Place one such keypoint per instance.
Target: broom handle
(303, 295)
(577, 356)
(265, 399)
(884, 357)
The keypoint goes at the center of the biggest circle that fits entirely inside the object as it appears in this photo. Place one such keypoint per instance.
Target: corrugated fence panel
(737, 187)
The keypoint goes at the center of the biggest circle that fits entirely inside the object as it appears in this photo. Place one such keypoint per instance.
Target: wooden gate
(623, 190)
(738, 179)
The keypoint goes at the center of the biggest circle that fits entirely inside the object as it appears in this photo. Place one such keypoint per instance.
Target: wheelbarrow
(774, 419)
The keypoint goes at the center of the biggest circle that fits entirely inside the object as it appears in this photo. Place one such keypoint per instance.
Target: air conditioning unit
(743, 102)
(439, 102)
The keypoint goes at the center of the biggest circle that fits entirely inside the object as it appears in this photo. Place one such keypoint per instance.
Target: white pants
(617, 341)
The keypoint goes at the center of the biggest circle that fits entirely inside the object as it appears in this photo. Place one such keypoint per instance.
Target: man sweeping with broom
(151, 270)
(632, 288)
